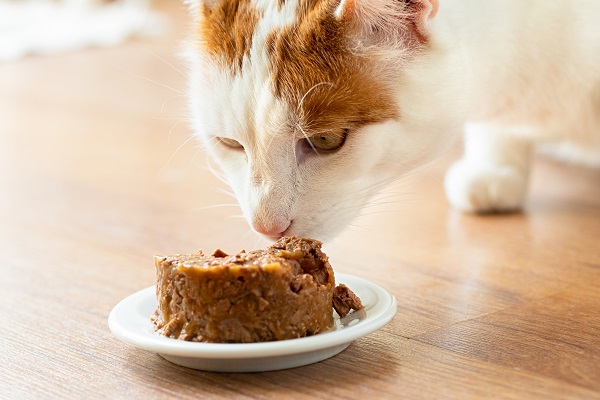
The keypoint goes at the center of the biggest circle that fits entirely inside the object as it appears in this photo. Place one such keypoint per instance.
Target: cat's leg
(493, 175)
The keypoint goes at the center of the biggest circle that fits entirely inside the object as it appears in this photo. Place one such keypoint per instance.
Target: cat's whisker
(257, 240)
(171, 131)
(215, 142)
(227, 192)
(380, 199)
(308, 139)
(220, 176)
(377, 204)
(317, 131)
(198, 151)
(146, 78)
(376, 234)
(229, 195)
(246, 237)
(162, 107)
(217, 174)
(359, 212)
(354, 227)
(165, 61)
(391, 199)
(247, 234)
(171, 118)
(175, 152)
(212, 206)
(382, 186)
(379, 212)
(387, 193)
(301, 102)
(374, 202)
(375, 188)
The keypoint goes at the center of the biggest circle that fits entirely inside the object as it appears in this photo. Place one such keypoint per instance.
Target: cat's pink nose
(274, 231)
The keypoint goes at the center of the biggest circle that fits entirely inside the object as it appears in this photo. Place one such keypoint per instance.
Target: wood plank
(531, 338)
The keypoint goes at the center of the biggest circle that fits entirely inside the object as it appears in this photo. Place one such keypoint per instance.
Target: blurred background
(94, 132)
(55, 26)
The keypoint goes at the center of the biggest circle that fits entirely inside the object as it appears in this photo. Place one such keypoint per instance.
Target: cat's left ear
(399, 20)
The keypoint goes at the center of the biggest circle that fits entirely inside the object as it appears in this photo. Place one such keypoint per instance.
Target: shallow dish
(130, 321)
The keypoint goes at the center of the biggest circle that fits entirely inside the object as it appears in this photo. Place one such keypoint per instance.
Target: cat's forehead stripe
(312, 68)
(227, 30)
(306, 56)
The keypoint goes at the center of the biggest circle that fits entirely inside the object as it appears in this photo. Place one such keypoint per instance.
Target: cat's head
(310, 107)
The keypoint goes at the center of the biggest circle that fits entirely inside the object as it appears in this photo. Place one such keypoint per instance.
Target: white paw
(480, 189)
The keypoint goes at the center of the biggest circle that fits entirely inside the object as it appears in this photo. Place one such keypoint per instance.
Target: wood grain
(98, 172)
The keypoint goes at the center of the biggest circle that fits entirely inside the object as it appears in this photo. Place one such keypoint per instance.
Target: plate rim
(175, 347)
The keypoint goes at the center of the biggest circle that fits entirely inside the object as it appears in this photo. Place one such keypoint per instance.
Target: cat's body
(311, 106)
(534, 78)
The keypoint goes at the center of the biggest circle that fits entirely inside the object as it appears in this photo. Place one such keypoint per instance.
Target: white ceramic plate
(130, 322)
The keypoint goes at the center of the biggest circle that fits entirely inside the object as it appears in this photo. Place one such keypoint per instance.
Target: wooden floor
(98, 172)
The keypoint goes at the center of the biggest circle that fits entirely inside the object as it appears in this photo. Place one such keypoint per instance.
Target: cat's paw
(473, 188)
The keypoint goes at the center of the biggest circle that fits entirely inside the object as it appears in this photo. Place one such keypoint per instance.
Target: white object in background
(47, 27)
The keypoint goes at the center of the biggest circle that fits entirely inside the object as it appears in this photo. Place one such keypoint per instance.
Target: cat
(310, 107)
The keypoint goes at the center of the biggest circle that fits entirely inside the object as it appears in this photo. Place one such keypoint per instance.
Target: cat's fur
(401, 78)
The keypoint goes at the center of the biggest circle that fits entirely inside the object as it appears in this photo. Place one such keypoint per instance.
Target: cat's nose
(273, 231)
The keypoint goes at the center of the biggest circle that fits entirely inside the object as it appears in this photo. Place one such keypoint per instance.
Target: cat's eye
(230, 143)
(328, 141)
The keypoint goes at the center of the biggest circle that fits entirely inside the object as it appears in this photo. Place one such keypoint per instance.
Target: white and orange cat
(310, 107)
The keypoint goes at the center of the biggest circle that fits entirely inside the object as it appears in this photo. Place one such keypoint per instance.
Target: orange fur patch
(227, 30)
(313, 69)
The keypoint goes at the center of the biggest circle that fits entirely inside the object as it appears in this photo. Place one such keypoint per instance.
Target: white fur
(242, 107)
(515, 71)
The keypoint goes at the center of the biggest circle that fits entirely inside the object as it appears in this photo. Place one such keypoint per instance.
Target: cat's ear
(404, 21)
